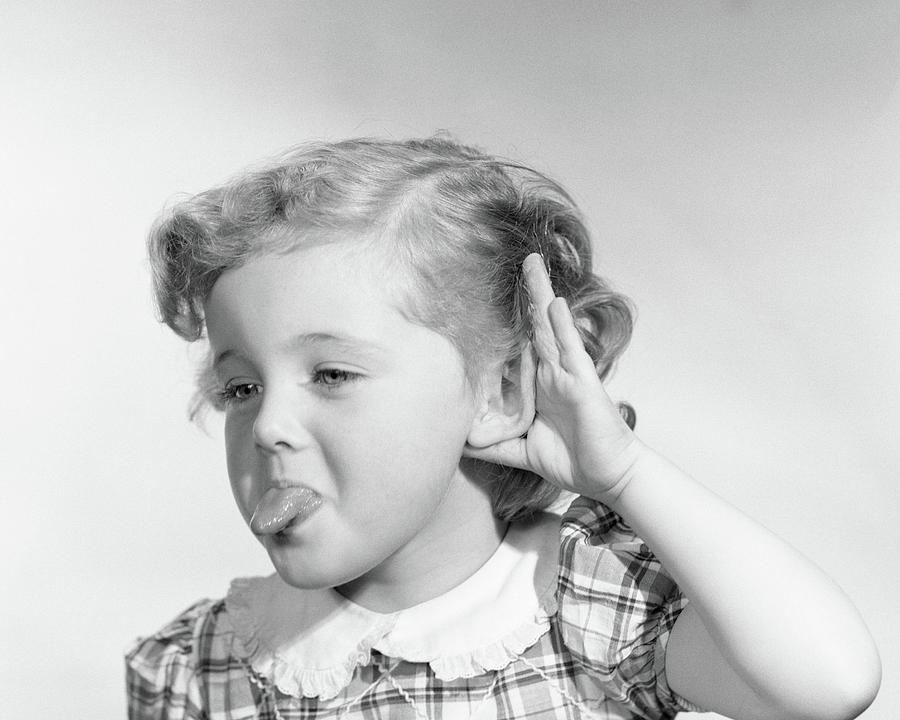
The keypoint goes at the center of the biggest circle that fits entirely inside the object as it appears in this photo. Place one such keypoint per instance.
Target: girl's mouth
(280, 507)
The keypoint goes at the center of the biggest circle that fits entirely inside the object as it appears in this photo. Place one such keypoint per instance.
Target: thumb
(510, 453)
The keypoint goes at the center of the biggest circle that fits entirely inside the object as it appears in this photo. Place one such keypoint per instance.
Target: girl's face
(345, 422)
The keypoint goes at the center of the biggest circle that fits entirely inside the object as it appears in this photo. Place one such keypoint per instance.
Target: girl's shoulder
(609, 578)
(179, 637)
(617, 606)
(600, 553)
(167, 673)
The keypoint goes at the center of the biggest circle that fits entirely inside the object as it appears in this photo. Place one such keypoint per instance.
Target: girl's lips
(280, 507)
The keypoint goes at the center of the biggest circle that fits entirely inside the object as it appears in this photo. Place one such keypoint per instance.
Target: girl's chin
(305, 573)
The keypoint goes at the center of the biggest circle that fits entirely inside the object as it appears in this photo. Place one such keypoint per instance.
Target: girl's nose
(279, 424)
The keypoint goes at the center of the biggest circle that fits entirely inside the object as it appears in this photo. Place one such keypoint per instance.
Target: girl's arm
(766, 633)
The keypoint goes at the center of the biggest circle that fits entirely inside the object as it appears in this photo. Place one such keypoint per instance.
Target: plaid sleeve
(617, 607)
(161, 677)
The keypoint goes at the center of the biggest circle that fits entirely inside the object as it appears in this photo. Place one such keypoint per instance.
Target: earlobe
(508, 402)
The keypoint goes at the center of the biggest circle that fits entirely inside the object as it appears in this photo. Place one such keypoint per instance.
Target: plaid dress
(602, 655)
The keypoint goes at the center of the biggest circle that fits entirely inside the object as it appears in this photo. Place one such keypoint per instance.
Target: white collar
(309, 642)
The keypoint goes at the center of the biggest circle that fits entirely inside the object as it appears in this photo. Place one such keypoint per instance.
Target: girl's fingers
(572, 355)
(540, 291)
(555, 336)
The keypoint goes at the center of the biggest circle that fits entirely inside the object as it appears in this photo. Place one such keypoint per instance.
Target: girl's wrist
(609, 488)
(649, 477)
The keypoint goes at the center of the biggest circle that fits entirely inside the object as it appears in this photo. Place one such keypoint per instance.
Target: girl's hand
(577, 439)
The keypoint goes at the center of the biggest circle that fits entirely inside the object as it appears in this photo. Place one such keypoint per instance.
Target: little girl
(406, 391)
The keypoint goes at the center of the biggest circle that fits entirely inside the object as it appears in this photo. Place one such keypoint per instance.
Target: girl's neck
(462, 536)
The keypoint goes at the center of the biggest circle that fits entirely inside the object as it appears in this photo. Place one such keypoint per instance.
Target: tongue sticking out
(279, 507)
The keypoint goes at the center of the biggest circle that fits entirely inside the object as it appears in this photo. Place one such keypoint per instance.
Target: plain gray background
(739, 163)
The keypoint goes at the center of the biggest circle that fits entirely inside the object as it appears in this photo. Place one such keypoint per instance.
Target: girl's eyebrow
(341, 343)
(348, 343)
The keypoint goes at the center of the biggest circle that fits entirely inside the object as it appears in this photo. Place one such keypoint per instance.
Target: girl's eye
(333, 377)
(234, 394)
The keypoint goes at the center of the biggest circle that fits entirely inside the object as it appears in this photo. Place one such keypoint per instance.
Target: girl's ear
(506, 409)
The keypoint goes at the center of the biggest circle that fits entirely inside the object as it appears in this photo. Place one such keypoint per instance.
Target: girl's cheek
(238, 432)
(246, 487)
(241, 458)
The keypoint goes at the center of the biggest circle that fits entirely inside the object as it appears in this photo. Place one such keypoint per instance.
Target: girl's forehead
(345, 278)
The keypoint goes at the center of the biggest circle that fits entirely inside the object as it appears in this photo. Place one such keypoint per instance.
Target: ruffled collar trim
(308, 643)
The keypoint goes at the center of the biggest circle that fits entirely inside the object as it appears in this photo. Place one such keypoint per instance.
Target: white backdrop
(739, 162)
